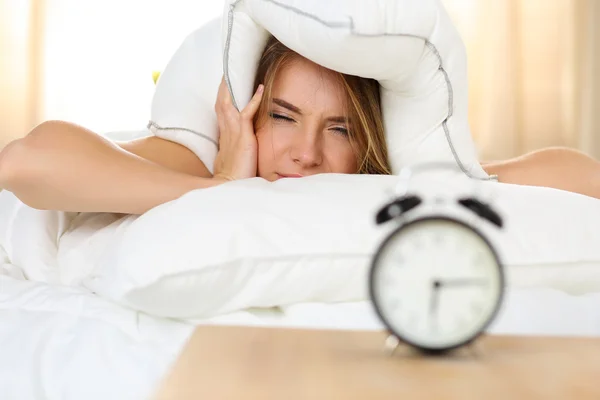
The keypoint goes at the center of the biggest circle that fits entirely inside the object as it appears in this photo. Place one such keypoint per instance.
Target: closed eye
(280, 117)
(341, 130)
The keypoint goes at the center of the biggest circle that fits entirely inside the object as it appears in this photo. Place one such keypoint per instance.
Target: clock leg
(474, 349)
(391, 345)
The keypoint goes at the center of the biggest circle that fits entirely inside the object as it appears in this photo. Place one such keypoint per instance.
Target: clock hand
(435, 294)
(462, 282)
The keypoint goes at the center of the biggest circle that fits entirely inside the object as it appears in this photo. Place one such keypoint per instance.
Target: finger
(221, 128)
(219, 92)
(221, 109)
(223, 96)
(220, 117)
(249, 111)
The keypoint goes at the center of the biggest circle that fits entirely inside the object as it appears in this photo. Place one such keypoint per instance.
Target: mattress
(62, 342)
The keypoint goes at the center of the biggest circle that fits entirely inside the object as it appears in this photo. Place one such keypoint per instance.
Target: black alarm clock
(436, 281)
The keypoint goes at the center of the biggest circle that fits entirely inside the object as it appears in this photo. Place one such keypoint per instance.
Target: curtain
(89, 62)
(533, 73)
(19, 72)
(589, 139)
(534, 66)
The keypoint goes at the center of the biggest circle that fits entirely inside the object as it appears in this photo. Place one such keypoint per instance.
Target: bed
(61, 340)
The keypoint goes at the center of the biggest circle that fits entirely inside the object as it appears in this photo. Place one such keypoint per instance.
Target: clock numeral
(458, 324)
(434, 326)
(417, 243)
(394, 304)
(438, 239)
(479, 260)
(461, 323)
(388, 280)
(476, 307)
(412, 318)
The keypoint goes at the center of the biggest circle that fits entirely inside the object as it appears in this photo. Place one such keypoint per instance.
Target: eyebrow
(287, 105)
(293, 108)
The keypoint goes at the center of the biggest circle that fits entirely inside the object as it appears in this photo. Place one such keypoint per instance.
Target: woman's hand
(238, 149)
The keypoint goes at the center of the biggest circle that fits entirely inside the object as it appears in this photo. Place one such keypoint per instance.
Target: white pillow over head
(410, 47)
(183, 104)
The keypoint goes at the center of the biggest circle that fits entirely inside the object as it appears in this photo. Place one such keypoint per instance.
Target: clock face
(436, 283)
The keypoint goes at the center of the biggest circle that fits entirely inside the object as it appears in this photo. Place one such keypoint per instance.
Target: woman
(303, 120)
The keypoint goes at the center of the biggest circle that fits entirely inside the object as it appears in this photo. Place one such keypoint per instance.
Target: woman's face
(306, 130)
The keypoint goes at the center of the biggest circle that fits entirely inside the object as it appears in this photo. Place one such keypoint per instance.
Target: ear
(397, 208)
(483, 210)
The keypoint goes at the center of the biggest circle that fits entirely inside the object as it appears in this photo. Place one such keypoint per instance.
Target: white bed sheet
(65, 343)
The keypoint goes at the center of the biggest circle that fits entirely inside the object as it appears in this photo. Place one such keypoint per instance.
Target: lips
(289, 175)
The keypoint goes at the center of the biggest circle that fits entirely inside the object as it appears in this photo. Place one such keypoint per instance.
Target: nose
(307, 151)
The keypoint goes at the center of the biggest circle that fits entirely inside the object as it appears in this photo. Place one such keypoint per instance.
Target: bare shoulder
(168, 154)
(557, 167)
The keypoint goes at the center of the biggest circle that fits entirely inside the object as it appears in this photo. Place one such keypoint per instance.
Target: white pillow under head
(252, 243)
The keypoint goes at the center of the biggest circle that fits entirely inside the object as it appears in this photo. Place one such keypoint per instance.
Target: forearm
(76, 170)
(559, 168)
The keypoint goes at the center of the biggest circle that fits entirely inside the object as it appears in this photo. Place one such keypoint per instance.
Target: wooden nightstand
(273, 363)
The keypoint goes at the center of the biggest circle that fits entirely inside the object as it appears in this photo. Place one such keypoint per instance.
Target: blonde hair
(363, 104)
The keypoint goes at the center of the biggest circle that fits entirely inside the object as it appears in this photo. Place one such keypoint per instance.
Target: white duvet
(60, 341)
